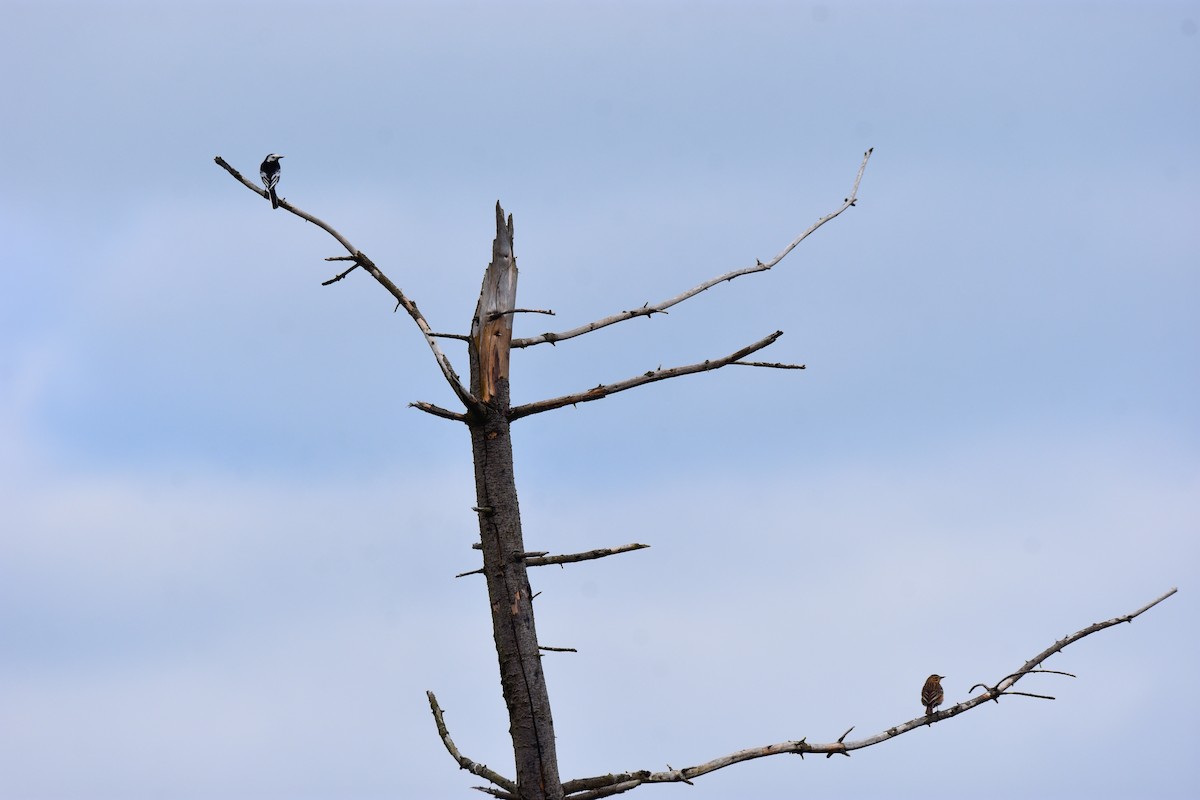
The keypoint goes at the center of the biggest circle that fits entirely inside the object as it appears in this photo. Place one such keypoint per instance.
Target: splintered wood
(491, 329)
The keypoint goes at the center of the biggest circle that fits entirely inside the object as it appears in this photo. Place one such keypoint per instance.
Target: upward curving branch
(360, 259)
(658, 308)
(607, 785)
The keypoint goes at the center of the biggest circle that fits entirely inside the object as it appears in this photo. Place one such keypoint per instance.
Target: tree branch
(503, 795)
(659, 374)
(361, 260)
(575, 789)
(541, 559)
(768, 365)
(498, 314)
(344, 273)
(463, 762)
(660, 307)
(438, 411)
(607, 791)
(571, 558)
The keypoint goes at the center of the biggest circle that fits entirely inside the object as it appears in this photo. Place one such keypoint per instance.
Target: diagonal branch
(463, 762)
(438, 411)
(605, 785)
(660, 307)
(660, 374)
(360, 259)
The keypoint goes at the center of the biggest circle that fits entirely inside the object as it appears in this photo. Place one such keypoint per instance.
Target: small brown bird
(931, 693)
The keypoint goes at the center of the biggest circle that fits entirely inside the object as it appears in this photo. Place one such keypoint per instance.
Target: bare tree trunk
(521, 676)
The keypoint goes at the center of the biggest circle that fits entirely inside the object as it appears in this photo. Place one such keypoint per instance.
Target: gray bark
(521, 677)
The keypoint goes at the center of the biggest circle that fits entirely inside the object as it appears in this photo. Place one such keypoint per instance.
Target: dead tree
(488, 415)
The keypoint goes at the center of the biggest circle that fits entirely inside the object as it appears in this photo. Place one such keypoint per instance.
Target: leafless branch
(602, 781)
(361, 260)
(463, 762)
(503, 795)
(1016, 675)
(462, 337)
(660, 307)
(438, 411)
(541, 560)
(574, 789)
(660, 374)
(607, 791)
(770, 365)
(571, 558)
(343, 274)
(1029, 694)
(498, 314)
(557, 649)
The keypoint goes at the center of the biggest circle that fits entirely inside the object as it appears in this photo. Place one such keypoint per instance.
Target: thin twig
(1028, 694)
(361, 260)
(660, 307)
(500, 793)
(340, 275)
(769, 365)
(438, 411)
(557, 649)
(1015, 675)
(463, 762)
(802, 746)
(499, 314)
(462, 337)
(660, 374)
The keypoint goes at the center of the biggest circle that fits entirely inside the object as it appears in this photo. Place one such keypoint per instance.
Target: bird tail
(274, 198)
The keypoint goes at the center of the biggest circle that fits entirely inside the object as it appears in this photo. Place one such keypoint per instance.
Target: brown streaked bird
(931, 693)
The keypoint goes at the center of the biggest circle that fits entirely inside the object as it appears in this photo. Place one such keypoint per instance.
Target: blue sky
(227, 544)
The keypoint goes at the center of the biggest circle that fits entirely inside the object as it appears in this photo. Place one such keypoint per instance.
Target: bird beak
(279, 156)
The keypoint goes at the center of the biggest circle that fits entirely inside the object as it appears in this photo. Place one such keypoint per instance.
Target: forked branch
(660, 374)
(360, 259)
(660, 307)
(605, 785)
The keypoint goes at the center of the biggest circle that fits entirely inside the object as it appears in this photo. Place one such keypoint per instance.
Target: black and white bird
(269, 172)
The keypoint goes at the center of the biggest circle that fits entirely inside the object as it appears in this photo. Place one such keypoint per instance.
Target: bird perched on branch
(931, 693)
(269, 172)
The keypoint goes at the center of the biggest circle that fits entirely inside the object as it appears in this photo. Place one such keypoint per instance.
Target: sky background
(227, 546)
